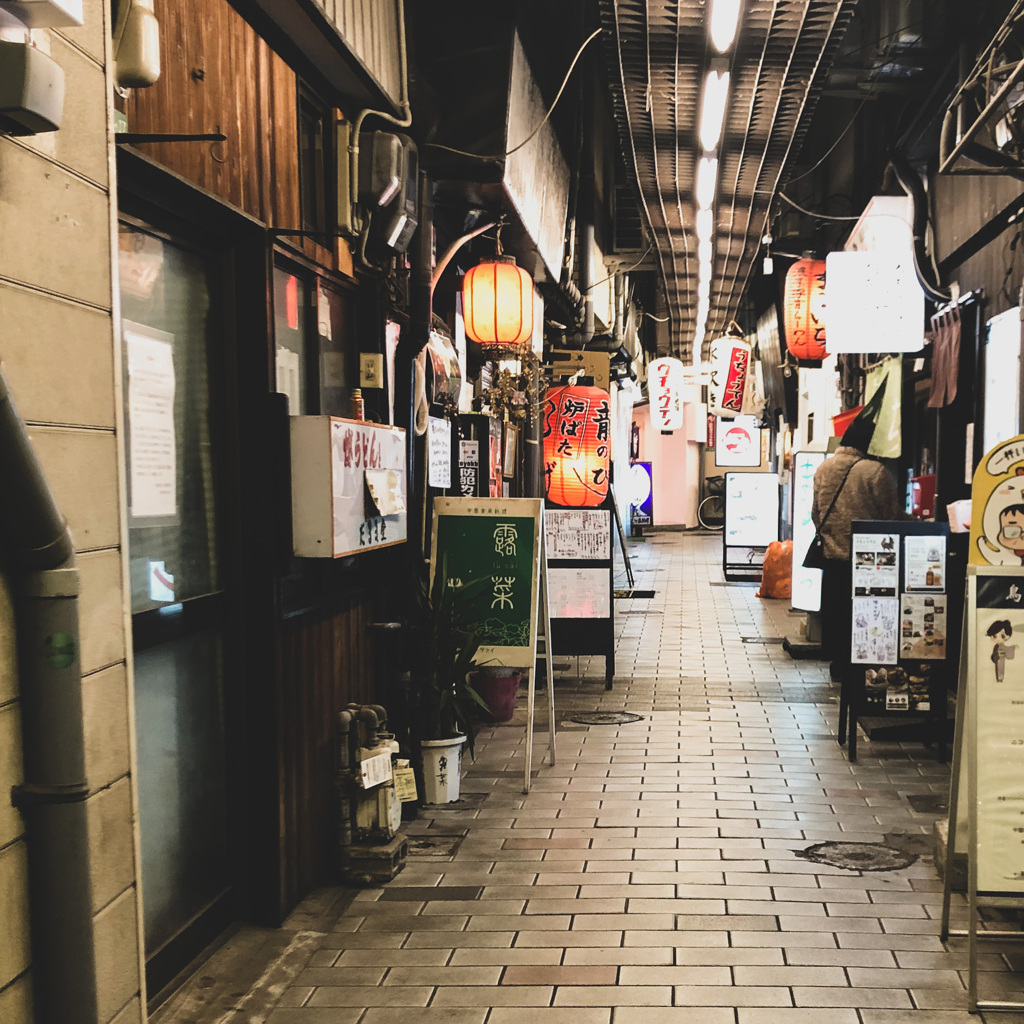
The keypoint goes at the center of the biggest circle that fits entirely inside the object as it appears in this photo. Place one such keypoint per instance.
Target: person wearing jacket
(863, 489)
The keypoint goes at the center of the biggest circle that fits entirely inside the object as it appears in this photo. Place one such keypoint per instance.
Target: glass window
(169, 320)
(182, 781)
(314, 165)
(291, 305)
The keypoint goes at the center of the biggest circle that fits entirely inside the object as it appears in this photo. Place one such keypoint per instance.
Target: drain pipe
(37, 546)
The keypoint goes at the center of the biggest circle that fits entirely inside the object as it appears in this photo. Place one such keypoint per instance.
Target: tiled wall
(58, 351)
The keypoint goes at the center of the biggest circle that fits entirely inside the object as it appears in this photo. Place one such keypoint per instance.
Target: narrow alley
(657, 873)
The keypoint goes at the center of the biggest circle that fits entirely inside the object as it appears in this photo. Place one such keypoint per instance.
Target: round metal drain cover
(606, 718)
(858, 856)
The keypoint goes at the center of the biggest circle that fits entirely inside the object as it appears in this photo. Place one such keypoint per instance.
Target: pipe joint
(30, 794)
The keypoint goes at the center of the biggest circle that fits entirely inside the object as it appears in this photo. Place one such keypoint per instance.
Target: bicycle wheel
(711, 512)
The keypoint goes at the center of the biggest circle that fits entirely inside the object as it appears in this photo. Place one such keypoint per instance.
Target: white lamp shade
(665, 389)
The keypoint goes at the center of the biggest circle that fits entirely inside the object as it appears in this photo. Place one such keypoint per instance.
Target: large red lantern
(497, 302)
(577, 445)
(804, 307)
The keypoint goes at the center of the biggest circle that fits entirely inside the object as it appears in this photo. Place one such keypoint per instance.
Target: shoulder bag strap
(835, 497)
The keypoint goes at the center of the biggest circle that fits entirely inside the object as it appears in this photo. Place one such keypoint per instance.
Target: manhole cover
(762, 639)
(434, 846)
(858, 856)
(606, 718)
(929, 803)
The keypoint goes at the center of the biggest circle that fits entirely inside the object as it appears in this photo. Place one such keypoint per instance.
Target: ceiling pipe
(37, 546)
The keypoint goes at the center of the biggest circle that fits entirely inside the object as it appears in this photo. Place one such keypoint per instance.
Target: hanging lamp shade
(577, 445)
(804, 309)
(730, 370)
(665, 390)
(497, 302)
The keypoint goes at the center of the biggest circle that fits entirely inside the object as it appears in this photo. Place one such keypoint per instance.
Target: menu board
(875, 568)
(900, 615)
(579, 594)
(578, 533)
(751, 509)
(998, 713)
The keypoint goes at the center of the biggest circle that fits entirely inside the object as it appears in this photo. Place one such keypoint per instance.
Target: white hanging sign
(665, 389)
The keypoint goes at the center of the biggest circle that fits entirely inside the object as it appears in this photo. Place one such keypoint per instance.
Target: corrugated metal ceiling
(657, 54)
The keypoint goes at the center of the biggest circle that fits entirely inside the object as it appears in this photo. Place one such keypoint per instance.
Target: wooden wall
(324, 664)
(218, 75)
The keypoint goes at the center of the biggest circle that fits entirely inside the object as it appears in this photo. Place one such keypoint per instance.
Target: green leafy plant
(445, 644)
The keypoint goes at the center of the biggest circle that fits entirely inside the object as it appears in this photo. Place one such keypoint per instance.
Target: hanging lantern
(804, 307)
(730, 369)
(665, 391)
(497, 302)
(577, 445)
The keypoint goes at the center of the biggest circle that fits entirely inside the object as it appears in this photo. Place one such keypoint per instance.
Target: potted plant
(444, 700)
(498, 686)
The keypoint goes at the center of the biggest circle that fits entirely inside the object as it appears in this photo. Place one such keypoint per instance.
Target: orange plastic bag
(777, 574)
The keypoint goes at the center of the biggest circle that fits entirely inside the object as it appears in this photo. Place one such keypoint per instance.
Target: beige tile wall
(59, 354)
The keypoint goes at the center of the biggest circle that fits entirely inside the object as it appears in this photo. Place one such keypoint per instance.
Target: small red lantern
(497, 302)
(804, 306)
(577, 445)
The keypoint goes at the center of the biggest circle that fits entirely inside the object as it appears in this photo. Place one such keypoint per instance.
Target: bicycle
(711, 510)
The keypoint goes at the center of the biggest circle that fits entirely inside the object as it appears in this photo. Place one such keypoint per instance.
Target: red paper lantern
(497, 302)
(804, 306)
(577, 445)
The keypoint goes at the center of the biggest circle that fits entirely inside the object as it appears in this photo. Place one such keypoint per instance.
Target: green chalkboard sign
(496, 541)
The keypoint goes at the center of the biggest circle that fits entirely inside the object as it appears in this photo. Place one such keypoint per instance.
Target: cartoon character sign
(997, 506)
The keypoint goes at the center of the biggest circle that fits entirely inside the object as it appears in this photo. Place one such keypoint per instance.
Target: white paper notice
(152, 454)
(876, 570)
(577, 533)
(926, 562)
(579, 593)
(439, 453)
(923, 626)
(875, 630)
(289, 378)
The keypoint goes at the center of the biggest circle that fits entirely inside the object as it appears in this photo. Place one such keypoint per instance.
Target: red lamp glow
(577, 445)
(497, 302)
(804, 308)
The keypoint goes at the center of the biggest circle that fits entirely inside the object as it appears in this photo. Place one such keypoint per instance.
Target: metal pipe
(35, 540)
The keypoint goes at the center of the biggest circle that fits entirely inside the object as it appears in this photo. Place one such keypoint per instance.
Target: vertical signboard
(806, 582)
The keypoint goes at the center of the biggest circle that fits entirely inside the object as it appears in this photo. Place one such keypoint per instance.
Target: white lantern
(665, 390)
(730, 370)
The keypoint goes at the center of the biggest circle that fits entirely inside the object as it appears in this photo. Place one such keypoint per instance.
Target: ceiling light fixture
(725, 18)
(705, 225)
(712, 113)
(707, 179)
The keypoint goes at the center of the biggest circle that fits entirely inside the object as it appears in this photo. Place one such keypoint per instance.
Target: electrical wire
(626, 271)
(828, 152)
(544, 120)
(658, 319)
(811, 213)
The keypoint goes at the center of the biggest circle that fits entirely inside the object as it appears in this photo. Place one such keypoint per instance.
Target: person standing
(855, 486)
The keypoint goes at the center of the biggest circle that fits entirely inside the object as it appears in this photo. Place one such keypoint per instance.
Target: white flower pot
(442, 769)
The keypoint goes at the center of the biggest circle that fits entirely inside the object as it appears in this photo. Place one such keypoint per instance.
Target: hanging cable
(625, 271)
(811, 213)
(544, 120)
(828, 152)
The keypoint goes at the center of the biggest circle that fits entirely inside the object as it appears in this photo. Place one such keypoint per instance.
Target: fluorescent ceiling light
(704, 255)
(707, 179)
(725, 17)
(705, 225)
(712, 113)
(704, 289)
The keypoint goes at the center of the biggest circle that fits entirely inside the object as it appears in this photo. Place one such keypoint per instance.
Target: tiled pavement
(653, 875)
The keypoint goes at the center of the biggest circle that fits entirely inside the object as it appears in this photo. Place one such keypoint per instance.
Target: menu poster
(578, 533)
(897, 688)
(875, 630)
(923, 626)
(926, 562)
(999, 681)
(876, 570)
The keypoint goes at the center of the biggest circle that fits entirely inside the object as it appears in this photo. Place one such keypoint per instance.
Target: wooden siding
(324, 665)
(218, 75)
